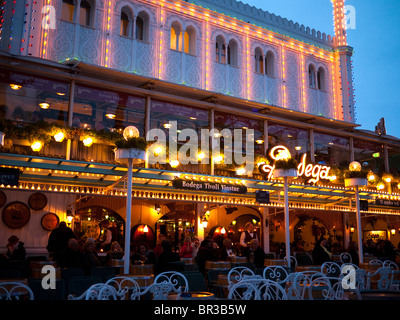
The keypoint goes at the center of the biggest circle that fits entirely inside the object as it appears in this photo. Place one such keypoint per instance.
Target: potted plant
(131, 146)
(285, 168)
(355, 176)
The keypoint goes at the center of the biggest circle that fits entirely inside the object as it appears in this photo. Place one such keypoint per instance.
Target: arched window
(321, 79)
(233, 53)
(259, 63)
(126, 22)
(220, 50)
(311, 76)
(142, 26)
(85, 13)
(190, 41)
(270, 64)
(176, 36)
(68, 10)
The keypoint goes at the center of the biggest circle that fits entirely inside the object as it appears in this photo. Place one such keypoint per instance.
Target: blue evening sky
(376, 59)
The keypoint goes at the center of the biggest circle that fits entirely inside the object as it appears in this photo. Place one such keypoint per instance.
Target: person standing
(58, 240)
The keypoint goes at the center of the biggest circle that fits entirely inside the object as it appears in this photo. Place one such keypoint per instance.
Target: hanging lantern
(37, 146)
(355, 166)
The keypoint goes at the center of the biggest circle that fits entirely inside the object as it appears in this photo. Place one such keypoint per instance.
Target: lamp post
(356, 179)
(132, 155)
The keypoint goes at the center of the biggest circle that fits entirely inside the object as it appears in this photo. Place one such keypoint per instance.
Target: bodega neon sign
(315, 172)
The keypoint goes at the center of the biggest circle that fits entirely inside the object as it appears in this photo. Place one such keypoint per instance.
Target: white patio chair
(297, 283)
(98, 291)
(390, 264)
(237, 274)
(345, 257)
(382, 278)
(276, 273)
(330, 269)
(15, 291)
(329, 288)
(125, 285)
(175, 278)
(375, 262)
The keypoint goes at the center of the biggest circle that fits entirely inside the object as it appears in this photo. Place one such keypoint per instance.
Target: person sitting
(90, 258)
(257, 254)
(143, 255)
(72, 256)
(115, 252)
(320, 253)
(166, 256)
(15, 249)
(187, 249)
(206, 253)
(226, 252)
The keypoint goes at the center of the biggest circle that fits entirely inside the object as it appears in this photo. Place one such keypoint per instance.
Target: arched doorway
(91, 222)
(178, 223)
(142, 234)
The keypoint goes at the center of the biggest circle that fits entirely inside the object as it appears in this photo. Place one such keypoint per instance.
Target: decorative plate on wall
(50, 221)
(16, 214)
(37, 201)
(3, 198)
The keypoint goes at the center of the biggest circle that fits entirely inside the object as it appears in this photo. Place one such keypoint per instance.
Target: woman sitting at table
(143, 255)
(187, 249)
(226, 252)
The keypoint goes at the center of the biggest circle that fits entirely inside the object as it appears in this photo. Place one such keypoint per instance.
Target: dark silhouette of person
(58, 240)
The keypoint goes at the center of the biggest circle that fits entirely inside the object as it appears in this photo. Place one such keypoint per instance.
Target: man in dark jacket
(320, 254)
(58, 240)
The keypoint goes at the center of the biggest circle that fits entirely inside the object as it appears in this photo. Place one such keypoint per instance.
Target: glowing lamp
(260, 141)
(371, 176)
(200, 155)
(234, 222)
(204, 223)
(352, 229)
(241, 171)
(131, 132)
(145, 229)
(110, 115)
(223, 231)
(380, 186)
(218, 159)
(36, 146)
(15, 86)
(393, 231)
(59, 136)
(174, 163)
(87, 142)
(44, 105)
(355, 166)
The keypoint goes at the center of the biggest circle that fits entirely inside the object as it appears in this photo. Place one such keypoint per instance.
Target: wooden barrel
(142, 280)
(41, 264)
(37, 273)
(274, 262)
(146, 269)
(188, 260)
(218, 265)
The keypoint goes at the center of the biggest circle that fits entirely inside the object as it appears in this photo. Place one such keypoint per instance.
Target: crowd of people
(68, 251)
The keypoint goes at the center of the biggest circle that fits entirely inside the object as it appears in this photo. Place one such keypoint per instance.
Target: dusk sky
(376, 59)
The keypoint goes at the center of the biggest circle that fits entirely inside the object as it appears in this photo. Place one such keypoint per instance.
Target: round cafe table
(218, 265)
(274, 262)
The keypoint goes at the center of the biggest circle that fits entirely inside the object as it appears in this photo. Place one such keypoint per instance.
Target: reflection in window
(331, 150)
(295, 139)
(107, 110)
(25, 98)
(369, 154)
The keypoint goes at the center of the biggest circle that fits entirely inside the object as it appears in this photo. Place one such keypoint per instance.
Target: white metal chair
(382, 278)
(293, 261)
(328, 288)
(15, 291)
(375, 262)
(263, 290)
(98, 291)
(275, 273)
(298, 282)
(175, 278)
(125, 285)
(160, 291)
(238, 274)
(330, 269)
(345, 257)
(390, 264)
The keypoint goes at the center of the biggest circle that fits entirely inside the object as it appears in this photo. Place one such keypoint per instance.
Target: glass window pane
(28, 99)
(369, 154)
(109, 110)
(331, 150)
(295, 139)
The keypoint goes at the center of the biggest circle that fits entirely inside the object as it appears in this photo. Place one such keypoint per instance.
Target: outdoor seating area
(329, 281)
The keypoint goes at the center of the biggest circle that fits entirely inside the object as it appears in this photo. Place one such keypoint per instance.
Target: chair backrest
(176, 279)
(275, 273)
(98, 291)
(159, 290)
(271, 290)
(239, 273)
(390, 264)
(384, 277)
(125, 285)
(375, 262)
(330, 269)
(345, 257)
(15, 291)
(293, 261)
(298, 282)
(243, 290)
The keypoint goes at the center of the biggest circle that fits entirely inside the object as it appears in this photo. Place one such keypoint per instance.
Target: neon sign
(315, 172)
